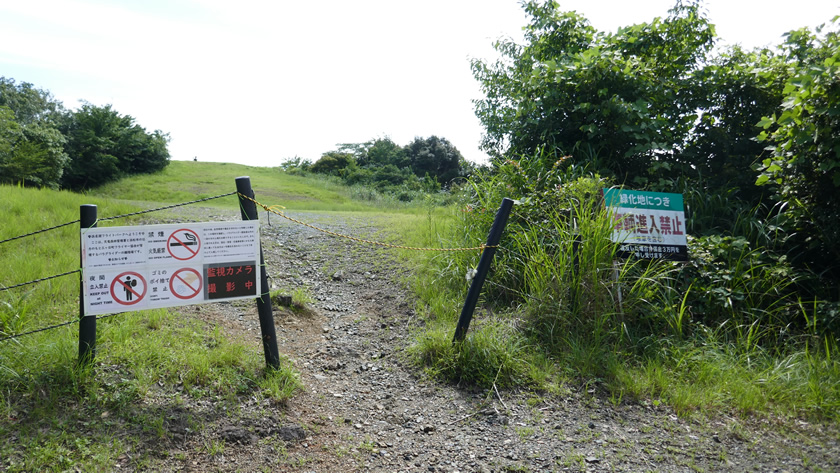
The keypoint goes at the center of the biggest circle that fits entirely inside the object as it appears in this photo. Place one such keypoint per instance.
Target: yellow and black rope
(273, 209)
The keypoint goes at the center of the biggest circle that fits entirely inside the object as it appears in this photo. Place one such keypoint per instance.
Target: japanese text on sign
(648, 225)
(154, 266)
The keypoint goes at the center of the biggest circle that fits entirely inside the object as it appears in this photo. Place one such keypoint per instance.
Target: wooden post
(493, 239)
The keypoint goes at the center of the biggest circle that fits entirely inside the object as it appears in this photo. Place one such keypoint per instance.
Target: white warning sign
(153, 266)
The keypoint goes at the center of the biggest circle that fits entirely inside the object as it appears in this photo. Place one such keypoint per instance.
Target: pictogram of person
(129, 283)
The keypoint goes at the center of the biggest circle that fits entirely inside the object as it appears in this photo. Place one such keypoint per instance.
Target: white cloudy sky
(258, 82)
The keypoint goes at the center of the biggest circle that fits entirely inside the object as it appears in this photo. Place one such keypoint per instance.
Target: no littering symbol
(128, 288)
(185, 283)
(183, 244)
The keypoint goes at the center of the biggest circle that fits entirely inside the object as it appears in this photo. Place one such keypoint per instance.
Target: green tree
(804, 139)
(624, 102)
(435, 157)
(383, 151)
(104, 146)
(32, 147)
(722, 149)
(31, 105)
(334, 163)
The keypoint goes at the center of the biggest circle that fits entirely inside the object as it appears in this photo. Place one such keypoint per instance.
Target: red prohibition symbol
(183, 244)
(185, 283)
(125, 285)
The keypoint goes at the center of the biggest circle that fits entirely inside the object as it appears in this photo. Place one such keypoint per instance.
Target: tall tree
(104, 145)
(435, 157)
(624, 102)
(804, 138)
(33, 148)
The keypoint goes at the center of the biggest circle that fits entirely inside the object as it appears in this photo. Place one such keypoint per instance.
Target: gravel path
(364, 409)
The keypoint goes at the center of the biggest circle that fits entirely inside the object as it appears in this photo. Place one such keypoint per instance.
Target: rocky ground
(364, 408)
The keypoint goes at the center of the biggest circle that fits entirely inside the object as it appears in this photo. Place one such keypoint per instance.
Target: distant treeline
(43, 144)
(425, 164)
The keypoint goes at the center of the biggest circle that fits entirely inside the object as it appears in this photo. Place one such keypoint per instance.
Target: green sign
(643, 200)
(647, 225)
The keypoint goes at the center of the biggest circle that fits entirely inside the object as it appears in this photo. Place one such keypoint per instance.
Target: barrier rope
(39, 280)
(273, 210)
(115, 217)
(51, 327)
(38, 231)
(11, 337)
(166, 207)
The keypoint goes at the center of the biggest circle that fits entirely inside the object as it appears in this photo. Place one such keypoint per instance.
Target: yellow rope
(273, 210)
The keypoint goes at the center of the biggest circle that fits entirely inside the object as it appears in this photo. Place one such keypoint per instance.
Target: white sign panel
(648, 225)
(154, 266)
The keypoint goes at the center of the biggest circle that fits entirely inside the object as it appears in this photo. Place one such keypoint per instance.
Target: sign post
(87, 323)
(267, 330)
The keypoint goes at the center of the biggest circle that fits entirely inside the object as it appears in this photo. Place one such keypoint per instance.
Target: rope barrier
(360, 240)
(51, 327)
(39, 231)
(116, 217)
(166, 207)
(39, 280)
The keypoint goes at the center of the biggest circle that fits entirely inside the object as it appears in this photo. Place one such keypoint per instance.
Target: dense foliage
(43, 144)
(424, 165)
(749, 138)
(654, 106)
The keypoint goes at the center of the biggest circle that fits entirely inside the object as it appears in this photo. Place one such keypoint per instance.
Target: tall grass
(56, 415)
(727, 331)
(45, 254)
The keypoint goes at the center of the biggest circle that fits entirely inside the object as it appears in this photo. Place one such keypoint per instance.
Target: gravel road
(364, 408)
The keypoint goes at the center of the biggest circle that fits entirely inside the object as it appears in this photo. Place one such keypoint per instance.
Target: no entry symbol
(128, 288)
(185, 283)
(183, 244)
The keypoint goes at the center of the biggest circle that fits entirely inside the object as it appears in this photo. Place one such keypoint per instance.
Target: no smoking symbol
(128, 288)
(185, 283)
(183, 244)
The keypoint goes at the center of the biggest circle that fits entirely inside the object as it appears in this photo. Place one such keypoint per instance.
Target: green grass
(184, 181)
(56, 415)
(45, 254)
(148, 363)
(554, 313)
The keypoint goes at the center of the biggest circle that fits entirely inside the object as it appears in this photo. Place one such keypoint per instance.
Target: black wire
(51, 327)
(166, 207)
(39, 280)
(39, 231)
(38, 330)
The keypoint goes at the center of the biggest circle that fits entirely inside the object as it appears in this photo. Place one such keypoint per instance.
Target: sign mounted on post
(154, 266)
(648, 225)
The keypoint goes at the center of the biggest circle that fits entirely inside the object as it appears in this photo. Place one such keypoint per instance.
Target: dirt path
(363, 409)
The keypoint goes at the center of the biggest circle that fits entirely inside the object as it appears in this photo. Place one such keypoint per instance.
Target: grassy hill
(40, 380)
(184, 181)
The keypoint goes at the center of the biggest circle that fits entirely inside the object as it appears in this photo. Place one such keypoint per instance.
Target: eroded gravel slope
(363, 409)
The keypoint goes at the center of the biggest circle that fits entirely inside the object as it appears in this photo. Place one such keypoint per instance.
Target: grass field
(39, 376)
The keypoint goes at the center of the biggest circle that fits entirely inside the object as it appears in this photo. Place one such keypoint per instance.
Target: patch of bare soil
(364, 409)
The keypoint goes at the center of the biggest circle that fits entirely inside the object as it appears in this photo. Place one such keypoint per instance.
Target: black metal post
(269, 334)
(483, 267)
(87, 323)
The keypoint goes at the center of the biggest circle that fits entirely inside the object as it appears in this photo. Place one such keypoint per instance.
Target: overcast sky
(259, 82)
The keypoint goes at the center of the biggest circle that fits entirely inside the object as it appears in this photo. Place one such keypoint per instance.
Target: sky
(260, 82)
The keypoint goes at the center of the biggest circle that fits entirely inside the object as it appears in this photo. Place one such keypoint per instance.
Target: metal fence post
(87, 324)
(483, 267)
(269, 334)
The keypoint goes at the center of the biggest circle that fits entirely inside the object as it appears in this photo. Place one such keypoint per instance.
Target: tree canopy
(658, 106)
(43, 144)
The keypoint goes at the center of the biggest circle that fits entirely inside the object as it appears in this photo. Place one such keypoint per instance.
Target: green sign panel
(643, 200)
(648, 225)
